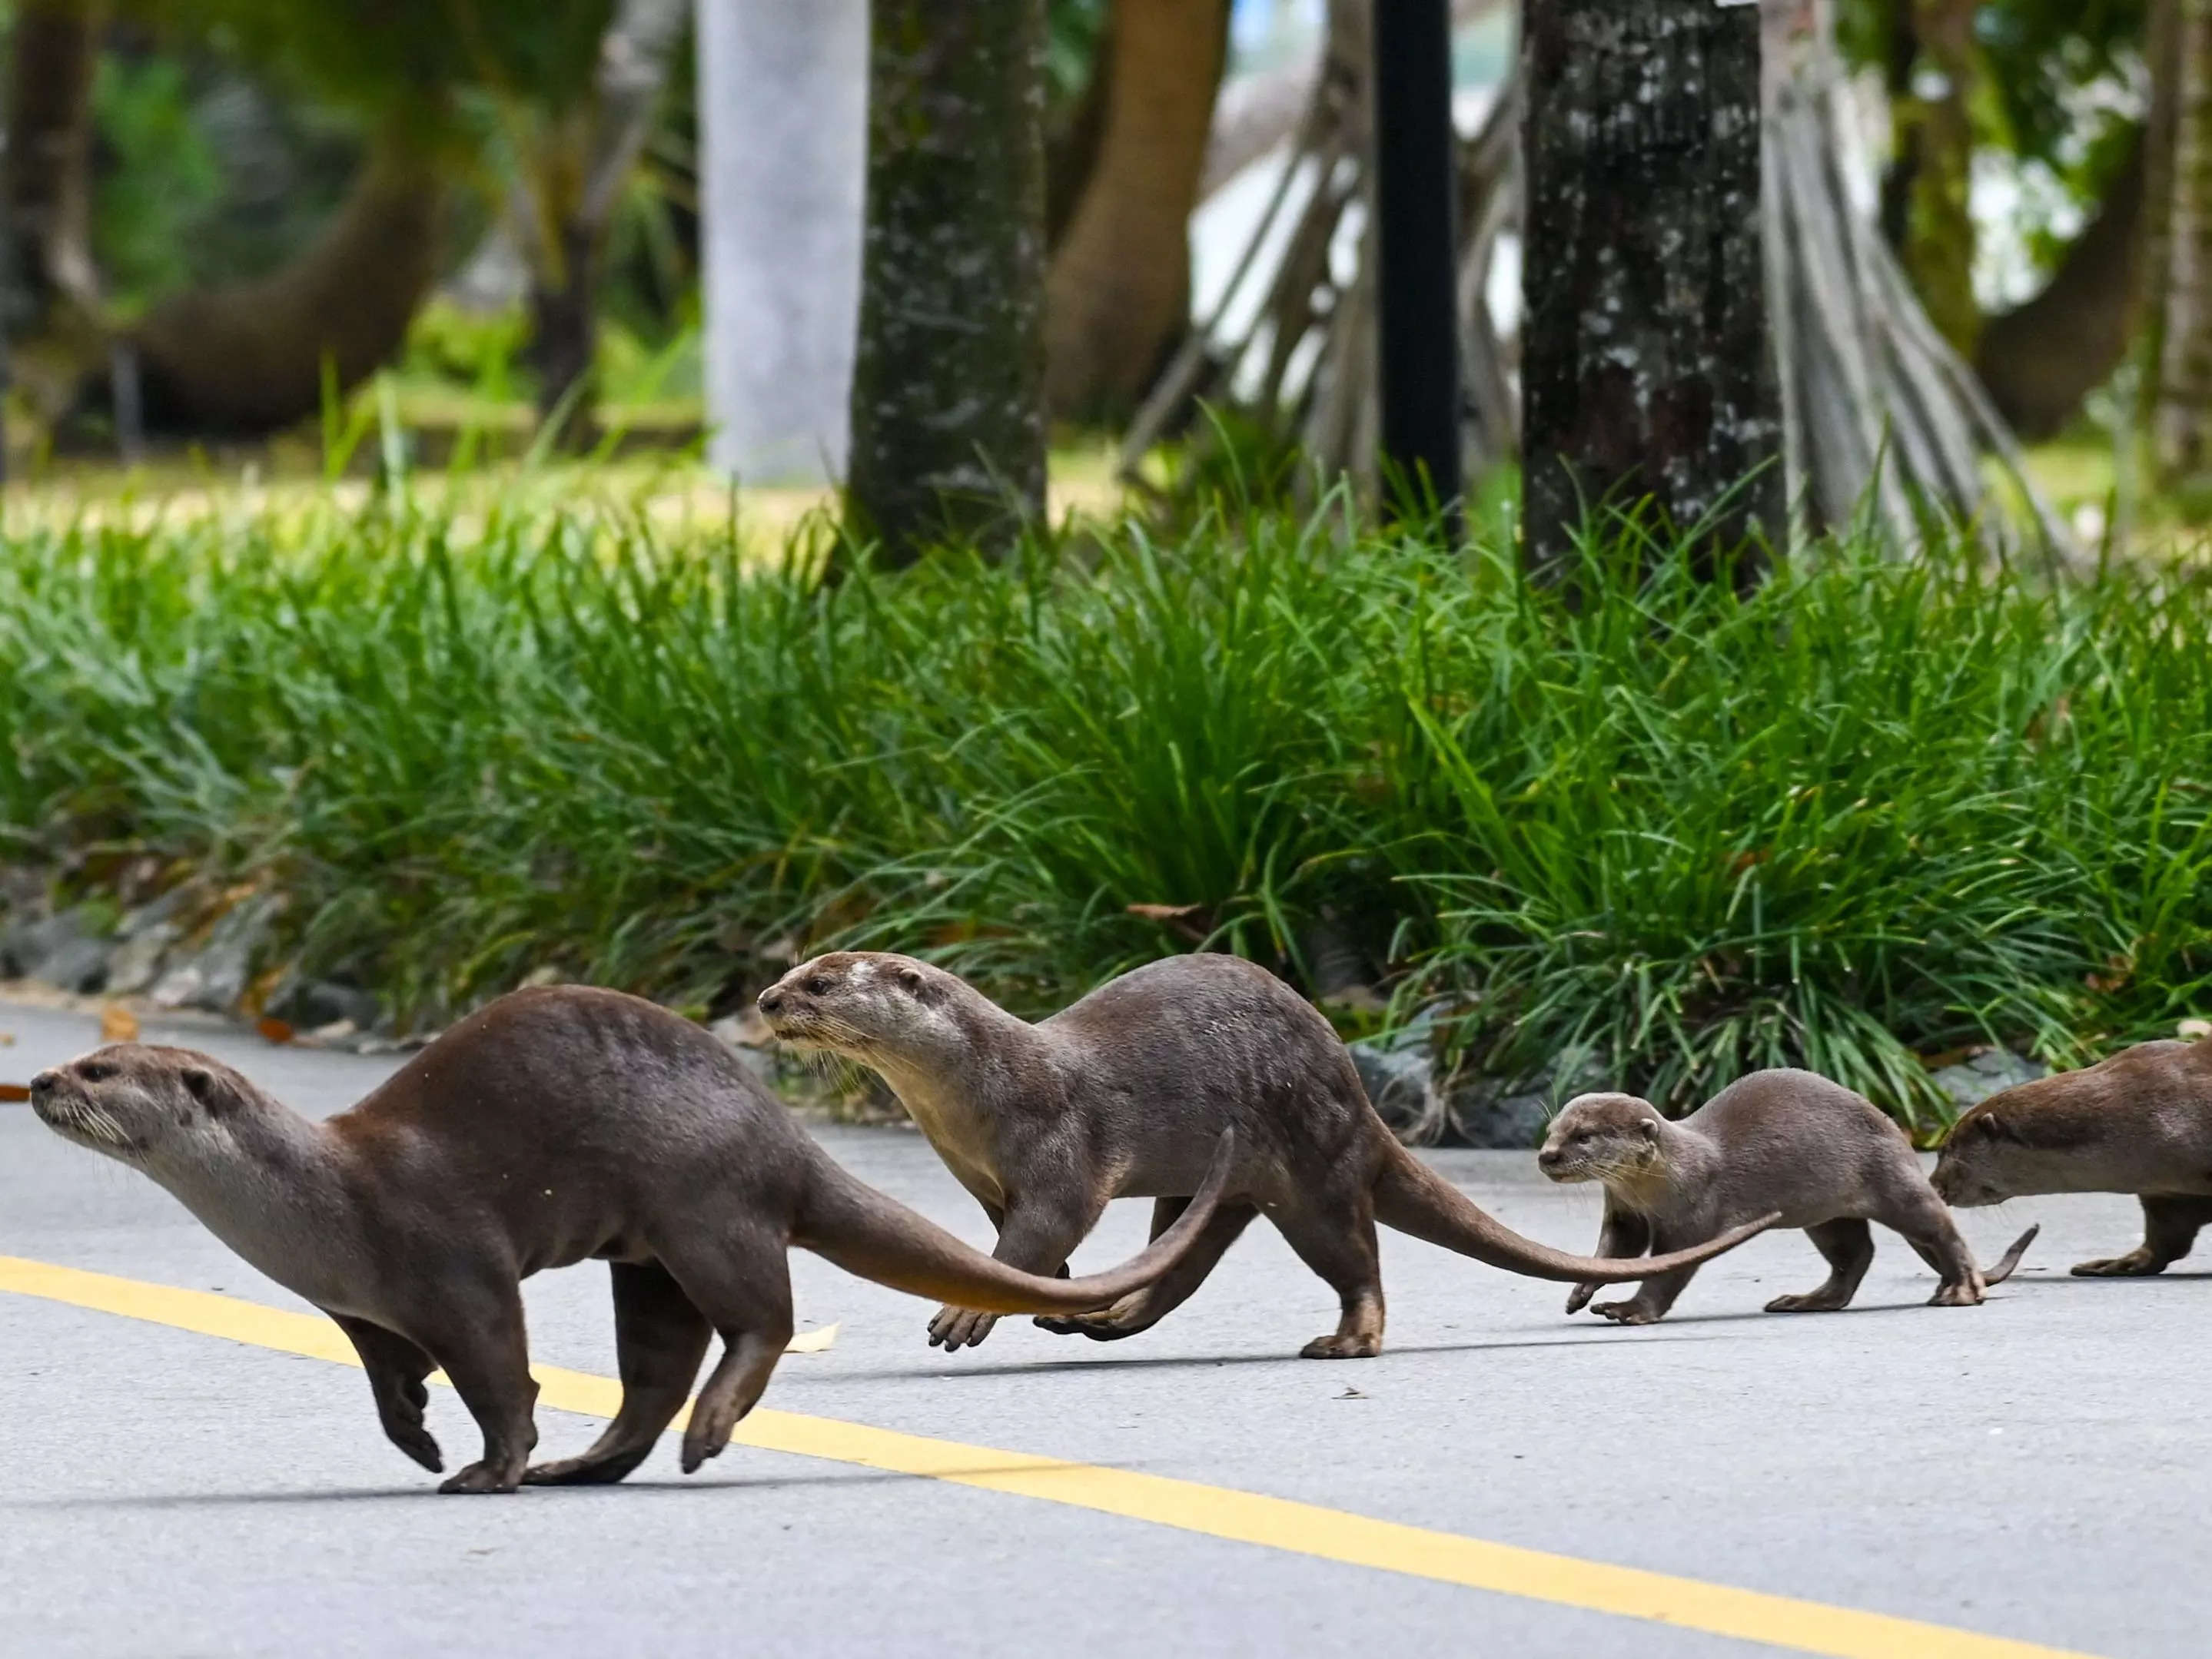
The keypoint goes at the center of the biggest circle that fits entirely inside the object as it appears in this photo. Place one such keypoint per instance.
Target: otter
(1120, 1094)
(552, 1125)
(1780, 1139)
(2139, 1122)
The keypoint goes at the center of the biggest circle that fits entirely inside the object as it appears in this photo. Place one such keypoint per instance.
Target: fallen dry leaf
(117, 1025)
(274, 1030)
(2193, 1029)
(819, 1341)
(6, 1039)
(13, 1092)
(1161, 912)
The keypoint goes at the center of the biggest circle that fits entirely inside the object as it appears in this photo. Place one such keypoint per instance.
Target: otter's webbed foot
(1959, 1293)
(2138, 1263)
(1632, 1311)
(1578, 1298)
(484, 1478)
(1341, 1345)
(1828, 1298)
(959, 1327)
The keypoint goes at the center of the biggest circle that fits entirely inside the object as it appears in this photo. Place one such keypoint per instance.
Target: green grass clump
(1871, 809)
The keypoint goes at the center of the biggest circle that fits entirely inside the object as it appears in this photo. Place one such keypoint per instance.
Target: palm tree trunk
(2184, 402)
(947, 411)
(1119, 289)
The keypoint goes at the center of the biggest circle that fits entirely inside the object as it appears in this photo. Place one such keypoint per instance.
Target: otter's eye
(817, 987)
(95, 1072)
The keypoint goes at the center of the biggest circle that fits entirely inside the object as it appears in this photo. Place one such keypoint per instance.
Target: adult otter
(1780, 1139)
(2140, 1121)
(1121, 1094)
(553, 1125)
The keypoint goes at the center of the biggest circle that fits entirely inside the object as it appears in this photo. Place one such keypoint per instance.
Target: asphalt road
(2023, 1470)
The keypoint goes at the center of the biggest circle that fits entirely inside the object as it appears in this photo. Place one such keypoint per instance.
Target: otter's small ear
(210, 1091)
(912, 980)
(1651, 1127)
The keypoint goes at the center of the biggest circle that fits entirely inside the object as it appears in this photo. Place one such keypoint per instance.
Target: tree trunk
(1118, 288)
(2184, 361)
(1646, 370)
(251, 358)
(948, 416)
(2042, 358)
(575, 178)
(54, 311)
(1935, 130)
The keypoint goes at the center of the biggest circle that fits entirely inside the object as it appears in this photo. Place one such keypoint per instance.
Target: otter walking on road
(554, 1125)
(1122, 1093)
(2138, 1122)
(1780, 1139)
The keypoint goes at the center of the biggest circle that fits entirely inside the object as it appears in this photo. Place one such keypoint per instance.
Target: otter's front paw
(959, 1327)
(1578, 1298)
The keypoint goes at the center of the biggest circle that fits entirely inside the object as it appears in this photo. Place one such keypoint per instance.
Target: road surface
(2026, 1473)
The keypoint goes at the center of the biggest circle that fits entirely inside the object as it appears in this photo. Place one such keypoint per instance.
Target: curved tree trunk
(1119, 289)
(251, 358)
(947, 417)
(47, 176)
(2042, 358)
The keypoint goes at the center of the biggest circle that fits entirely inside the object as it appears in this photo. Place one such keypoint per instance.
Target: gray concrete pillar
(783, 93)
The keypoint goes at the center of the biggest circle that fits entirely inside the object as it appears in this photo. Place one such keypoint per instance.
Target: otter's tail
(866, 1232)
(1413, 1199)
(2010, 1259)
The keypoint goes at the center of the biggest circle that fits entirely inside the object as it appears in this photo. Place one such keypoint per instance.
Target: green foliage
(1872, 808)
(406, 58)
(161, 173)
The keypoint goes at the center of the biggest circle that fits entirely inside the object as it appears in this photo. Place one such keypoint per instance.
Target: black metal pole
(1416, 189)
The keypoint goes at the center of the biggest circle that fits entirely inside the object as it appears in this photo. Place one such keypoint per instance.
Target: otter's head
(1987, 1157)
(865, 1005)
(1605, 1137)
(144, 1106)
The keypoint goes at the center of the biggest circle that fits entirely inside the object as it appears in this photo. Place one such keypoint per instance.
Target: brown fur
(1120, 1094)
(554, 1125)
(2138, 1122)
(1776, 1140)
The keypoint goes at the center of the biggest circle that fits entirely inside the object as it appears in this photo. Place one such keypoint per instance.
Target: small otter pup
(2140, 1121)
(1781, 1139)
(553, 1125)
(1122, 1094)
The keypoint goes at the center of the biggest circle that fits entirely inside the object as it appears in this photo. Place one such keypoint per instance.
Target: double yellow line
(1307, 1529)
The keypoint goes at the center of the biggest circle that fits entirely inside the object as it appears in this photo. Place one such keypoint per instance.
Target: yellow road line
(1278, 1524)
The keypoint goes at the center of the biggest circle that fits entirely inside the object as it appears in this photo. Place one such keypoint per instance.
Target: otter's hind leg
(2169, 1225)
(476, 1335)
(1037, 1236)
(741, 1283)
(1338, 1242)
(1142, 1309)
(1623, 1233)
(1926, 1225)
(396, 1369)
(1849, 1246)
(659, 1339)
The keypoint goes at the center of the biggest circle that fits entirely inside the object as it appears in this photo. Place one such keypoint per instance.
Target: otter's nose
(1549, 1157)
(770, 1000)
(43, 1084)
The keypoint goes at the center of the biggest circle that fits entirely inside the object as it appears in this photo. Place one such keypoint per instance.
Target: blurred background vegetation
(515, 686)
